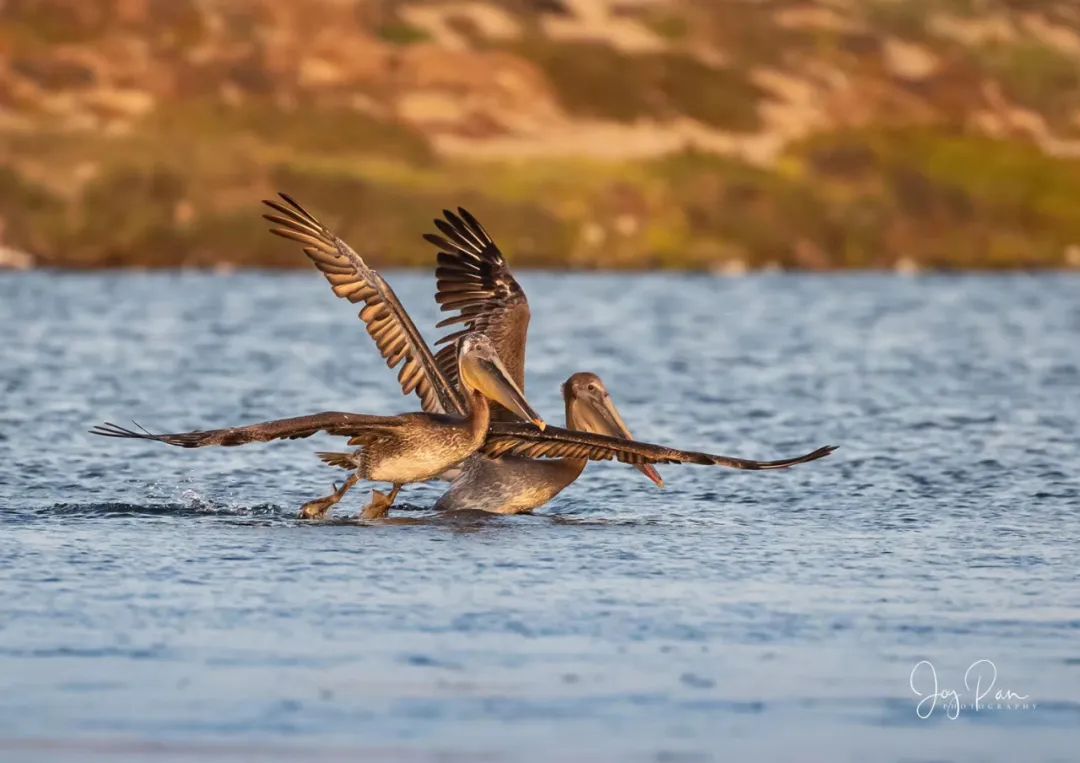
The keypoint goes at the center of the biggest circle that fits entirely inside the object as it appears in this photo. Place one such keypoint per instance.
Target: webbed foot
(317, 509)
(379, 506)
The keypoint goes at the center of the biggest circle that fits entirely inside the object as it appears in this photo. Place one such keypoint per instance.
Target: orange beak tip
(541, 424)
(653, 475)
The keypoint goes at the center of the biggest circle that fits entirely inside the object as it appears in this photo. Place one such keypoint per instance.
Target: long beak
(602, 417)
(491, 378)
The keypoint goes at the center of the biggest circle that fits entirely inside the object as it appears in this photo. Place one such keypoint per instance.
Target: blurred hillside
(589, 133)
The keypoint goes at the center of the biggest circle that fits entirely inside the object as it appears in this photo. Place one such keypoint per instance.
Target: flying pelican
(411, 447)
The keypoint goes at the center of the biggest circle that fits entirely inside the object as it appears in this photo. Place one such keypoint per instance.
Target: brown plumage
(502, 439)
(297, 427)
(473, 279)
(523, 440)
(411, 447)
(514, 484)
(379, 439)
(395, 335)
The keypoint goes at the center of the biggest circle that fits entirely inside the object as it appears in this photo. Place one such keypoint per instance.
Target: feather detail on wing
(387, 322)
(474, 280)
(355, 425)
(348, 461)
(555, 442)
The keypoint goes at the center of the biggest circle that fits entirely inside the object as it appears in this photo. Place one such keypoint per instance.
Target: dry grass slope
(587, 133)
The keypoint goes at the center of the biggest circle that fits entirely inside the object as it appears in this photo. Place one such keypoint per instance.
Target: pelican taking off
(411, 447)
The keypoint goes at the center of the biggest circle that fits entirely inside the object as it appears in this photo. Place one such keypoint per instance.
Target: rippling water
(161, 603)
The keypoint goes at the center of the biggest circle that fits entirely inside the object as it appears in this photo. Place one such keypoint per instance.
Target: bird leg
(317, 508)
(380, 504)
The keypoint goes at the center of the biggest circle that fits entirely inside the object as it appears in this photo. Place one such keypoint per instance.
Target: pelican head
(482, 371)
(589, 408)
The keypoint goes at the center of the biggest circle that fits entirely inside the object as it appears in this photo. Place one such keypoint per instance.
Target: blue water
(163, 604)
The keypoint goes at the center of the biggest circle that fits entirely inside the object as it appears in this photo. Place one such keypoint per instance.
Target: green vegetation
(1036, 76)
(400, 33)
(301, 128)
(868, 198)
(951, 200)
(907, 18)
(669, 26)
(596, 80)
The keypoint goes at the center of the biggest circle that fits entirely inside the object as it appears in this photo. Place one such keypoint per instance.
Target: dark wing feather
(475, 281)
(340, 460)
(555, 442)
(332, 422)
(387, 322)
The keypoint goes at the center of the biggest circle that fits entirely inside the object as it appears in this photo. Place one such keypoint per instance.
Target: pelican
(411, 447)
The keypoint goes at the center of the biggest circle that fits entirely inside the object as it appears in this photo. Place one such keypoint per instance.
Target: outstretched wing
(332, 422)
(387, 322)
(474, 280)
(554, 442)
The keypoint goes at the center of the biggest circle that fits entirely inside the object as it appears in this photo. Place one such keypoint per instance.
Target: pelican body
(416, 447)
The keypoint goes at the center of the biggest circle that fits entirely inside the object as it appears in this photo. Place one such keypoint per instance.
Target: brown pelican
(412, 447)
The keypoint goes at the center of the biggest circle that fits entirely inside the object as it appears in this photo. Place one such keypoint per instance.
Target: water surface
(159, 603)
